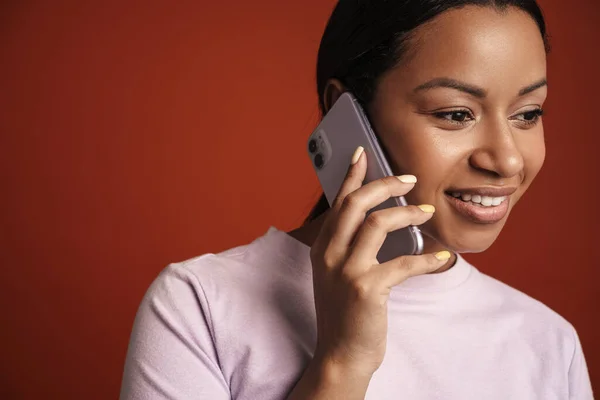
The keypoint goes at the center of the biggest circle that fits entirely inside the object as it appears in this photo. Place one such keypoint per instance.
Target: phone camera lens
(312, 145)
(319, 160)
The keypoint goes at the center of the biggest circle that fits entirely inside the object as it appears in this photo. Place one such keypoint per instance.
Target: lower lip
(480, 214)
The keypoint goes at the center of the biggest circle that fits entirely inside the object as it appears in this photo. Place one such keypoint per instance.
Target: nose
(496, 151)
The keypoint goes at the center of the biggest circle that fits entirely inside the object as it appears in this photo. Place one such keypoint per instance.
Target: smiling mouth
(481, 205)
(478, 200)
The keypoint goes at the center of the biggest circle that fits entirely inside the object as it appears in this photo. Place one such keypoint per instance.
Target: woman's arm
(329, 380)
(171, 353)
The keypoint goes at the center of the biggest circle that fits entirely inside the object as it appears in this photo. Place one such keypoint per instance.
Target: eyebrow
(471, 89)
(533, 87)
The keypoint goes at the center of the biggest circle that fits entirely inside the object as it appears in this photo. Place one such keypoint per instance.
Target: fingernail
(428, 208)
(407, 178)
(443, 255)
(359, 150)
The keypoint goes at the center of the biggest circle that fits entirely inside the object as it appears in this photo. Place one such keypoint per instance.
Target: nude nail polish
(359, 150)
(407, 178)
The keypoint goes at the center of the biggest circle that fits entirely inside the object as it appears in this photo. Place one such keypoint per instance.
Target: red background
(134, 134)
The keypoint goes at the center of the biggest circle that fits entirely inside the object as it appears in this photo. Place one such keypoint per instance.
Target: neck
(308, 232)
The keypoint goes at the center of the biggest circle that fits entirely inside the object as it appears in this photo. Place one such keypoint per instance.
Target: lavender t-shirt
(241, 325)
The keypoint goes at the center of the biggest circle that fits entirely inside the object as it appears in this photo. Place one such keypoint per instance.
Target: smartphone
(330, 148)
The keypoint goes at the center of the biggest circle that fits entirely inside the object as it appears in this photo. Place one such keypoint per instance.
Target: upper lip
(485, 191)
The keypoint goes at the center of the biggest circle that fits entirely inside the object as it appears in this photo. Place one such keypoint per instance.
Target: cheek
(429, 154)
(432, 161)
(414, 147)
(416, 154)
(534, 154)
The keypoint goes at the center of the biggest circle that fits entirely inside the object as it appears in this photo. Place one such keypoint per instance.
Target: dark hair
(365, 38)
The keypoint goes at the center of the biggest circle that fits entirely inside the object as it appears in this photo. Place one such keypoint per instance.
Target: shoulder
(180, 323)
(262, 289)
(266, 261)
(187, 279)
(238, 277)
(525, 311)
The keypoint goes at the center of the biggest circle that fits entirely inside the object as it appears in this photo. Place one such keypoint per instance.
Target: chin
(465, 240)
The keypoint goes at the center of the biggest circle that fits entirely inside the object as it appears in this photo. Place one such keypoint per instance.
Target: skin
(496, 145)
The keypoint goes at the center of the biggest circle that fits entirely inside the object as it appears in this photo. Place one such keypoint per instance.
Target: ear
(333, 90)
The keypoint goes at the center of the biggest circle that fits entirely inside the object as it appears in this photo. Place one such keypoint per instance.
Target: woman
(454, 90)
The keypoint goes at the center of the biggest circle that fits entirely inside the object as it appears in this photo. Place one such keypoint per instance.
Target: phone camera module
(312, 145)
(319, 160)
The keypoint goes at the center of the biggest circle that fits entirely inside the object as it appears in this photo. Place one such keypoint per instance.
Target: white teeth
(485, 201)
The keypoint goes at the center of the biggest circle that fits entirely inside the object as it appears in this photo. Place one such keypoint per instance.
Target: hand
(351, 288)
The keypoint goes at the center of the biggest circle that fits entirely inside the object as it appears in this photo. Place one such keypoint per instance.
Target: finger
(354, 176)
(357, 204)
(353, 180)
(378, 224)
(396, 271)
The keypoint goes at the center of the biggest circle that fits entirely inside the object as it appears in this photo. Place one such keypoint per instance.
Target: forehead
(480, 45)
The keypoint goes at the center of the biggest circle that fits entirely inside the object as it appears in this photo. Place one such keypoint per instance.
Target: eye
(459, 117)
(530, 117)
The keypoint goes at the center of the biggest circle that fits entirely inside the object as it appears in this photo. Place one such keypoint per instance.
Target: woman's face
(461, 112)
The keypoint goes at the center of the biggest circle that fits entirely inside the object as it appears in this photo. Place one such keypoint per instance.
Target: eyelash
(536, 114)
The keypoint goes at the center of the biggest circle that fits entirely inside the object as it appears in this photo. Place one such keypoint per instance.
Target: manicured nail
(407, 178)
(359, 150)
(428, 208)
(443, 255)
